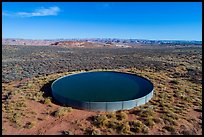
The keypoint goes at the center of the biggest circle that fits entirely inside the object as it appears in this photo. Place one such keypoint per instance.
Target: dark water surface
(102, 86)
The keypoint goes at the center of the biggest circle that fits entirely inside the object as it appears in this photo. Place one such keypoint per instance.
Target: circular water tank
(102, 90)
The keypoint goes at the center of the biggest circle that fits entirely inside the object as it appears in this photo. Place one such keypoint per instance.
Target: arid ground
(28, 107)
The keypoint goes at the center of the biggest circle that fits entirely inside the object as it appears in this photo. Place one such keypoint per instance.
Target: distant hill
(72, 43)
(26, 42)
(99, 41)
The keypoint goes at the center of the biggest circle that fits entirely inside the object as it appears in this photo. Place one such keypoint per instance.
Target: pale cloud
(4, 14)
(51, 11)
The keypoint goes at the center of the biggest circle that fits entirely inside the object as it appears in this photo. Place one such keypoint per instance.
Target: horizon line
(106, 38)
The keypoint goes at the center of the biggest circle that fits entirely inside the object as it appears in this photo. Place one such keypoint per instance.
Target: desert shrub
(199, 109)
(149, 121)
(113, 123)
(111, 115)
(29, 85)
(15, 118)
(169, 120)
(14, 92)
(186, 98)
(33, 112)
(162, 103)
(122, 116)
(145, 129)
(95, 132)
(177, 109)
(197, 102)
(187, 132)
(124, 127)
(29, 95)
(166, 109)
(169, 128)
(66, 132)
(3, 107)
(153, 102)
(160, 85)
(174, 82)
(145, 113)
(181, 96)
(30, 124)
(62, 111)
(100, 120)
(163, 95)
(173, 115)
(20, 104)
(47, 100)
(136, 126)
(157, 120)
(92, 131)
(38, 96)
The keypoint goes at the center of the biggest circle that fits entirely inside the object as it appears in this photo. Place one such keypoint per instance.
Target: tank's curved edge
(104, 71)
(104, 106)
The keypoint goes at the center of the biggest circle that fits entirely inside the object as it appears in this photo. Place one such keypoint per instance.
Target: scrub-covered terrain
(28, 107)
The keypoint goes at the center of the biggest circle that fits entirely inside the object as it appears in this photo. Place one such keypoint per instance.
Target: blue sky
(139, 20)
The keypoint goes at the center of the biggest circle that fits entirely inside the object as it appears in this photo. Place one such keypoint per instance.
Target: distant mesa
(71, 43)
(82, 44)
